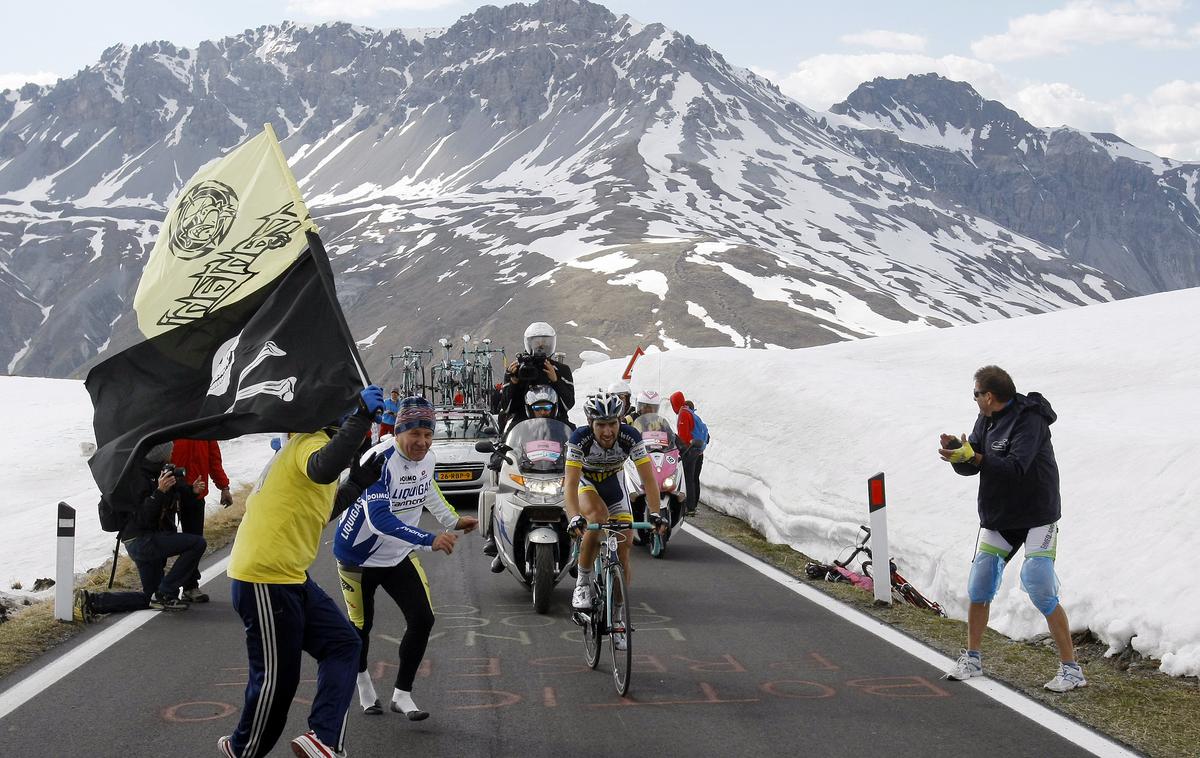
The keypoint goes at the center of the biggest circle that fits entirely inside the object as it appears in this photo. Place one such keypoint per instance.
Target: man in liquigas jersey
(374, 546)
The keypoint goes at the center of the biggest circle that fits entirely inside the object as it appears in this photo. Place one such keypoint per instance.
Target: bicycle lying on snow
(839, 571)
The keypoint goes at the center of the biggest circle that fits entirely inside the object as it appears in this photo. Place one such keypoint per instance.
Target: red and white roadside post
(64, 575)
(880, 556)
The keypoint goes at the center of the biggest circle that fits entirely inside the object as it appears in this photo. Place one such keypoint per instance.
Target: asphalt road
(727, 662)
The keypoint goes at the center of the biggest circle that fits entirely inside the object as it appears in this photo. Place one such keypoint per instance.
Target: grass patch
(33, 630)
(1126, 698)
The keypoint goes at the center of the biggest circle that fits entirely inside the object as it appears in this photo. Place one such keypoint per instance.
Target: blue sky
(1126, 66)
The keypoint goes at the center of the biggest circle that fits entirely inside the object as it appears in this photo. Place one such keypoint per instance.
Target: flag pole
(325, 271)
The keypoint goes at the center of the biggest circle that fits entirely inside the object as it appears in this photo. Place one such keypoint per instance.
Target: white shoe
(619, 641)
(582, 599)
(225, 745)
(308, 745)
(1070, 676)
(965, 667)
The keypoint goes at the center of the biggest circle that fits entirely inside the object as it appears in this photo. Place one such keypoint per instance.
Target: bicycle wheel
(620, 629)
(592, 625)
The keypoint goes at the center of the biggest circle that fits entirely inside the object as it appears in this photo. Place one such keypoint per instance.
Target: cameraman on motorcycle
(540, 403)
(535, 367)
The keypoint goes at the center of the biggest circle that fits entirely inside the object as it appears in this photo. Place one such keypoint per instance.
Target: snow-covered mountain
(551, 162)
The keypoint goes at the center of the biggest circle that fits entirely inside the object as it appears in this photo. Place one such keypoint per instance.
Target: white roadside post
(880, 556)
(64, 579)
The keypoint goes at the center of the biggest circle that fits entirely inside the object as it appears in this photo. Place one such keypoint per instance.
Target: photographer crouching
(532, 368)
(151, 537)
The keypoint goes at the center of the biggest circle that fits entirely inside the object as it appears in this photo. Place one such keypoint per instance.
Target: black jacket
(155, 511)
(513, 406)
(1018, 478)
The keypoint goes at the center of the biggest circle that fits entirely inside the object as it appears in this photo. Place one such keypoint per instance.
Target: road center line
(1084, 737)
(29, 687)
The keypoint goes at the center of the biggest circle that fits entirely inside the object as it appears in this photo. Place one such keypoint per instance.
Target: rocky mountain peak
(929, 103)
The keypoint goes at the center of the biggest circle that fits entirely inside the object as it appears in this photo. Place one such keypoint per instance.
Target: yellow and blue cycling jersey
(599, 463)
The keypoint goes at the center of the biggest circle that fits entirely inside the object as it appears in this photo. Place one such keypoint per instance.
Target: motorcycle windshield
(656, 432)
(540, 445)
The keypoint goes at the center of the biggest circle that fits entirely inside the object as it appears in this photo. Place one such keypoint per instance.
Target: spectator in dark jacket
(1019, 505)
(201, 461)
(150, 538)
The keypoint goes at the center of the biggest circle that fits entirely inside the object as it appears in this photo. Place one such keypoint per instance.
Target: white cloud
(15, 80)
(1166, 121)
(822, 80)
(1082, 22)
(360, 9)
(884, 40)
(1058, 104)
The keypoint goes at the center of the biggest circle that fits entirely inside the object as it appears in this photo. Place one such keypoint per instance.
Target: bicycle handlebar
(620, 525)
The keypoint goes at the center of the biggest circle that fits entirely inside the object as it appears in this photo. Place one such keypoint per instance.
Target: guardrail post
(880, 555)
(64, 579)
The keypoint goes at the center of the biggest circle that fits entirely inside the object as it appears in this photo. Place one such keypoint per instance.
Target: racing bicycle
(610, 604)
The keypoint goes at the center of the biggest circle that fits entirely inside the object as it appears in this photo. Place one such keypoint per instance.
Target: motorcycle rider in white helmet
(647, 402)
(540, 402)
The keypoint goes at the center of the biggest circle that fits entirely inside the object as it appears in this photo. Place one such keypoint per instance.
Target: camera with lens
(179, 472)
(531, 368)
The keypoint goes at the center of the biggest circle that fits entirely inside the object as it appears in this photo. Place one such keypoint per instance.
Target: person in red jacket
(693, 438)
(201, 460)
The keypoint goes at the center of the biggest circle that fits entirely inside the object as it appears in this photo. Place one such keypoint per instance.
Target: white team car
(460, 470)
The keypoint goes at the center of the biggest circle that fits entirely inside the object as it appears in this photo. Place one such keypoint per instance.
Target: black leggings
(408, 587)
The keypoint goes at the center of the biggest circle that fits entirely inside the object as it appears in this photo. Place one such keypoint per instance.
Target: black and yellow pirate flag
(242, 330)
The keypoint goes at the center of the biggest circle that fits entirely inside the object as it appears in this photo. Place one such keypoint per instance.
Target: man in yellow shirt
(284, 611)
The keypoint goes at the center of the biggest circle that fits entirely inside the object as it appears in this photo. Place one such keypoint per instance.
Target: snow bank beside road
(45, 421)
(798, 432)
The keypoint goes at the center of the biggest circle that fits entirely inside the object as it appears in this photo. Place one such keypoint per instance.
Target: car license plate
(454, 476)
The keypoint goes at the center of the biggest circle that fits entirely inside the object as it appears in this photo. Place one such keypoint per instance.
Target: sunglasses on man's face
(542, 408)
(977, 393)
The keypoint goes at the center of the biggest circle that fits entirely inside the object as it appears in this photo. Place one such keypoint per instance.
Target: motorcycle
(529, 519)
(663, 448)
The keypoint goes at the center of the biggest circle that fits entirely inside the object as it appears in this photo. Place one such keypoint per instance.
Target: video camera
(531, 368)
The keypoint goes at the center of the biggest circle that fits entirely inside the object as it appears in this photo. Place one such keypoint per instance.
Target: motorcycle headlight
(668, 483)
(544, 486)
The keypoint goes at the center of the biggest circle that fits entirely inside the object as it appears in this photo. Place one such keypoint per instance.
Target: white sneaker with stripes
(308, 745)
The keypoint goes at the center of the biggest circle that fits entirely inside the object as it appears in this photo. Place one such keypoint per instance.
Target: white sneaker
(619, 641)
(1070, 676)
(582, 599)
(225, 745)
(966, 667)
(308, 745)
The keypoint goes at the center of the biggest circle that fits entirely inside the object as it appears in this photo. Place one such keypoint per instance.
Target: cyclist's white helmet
(540, 338)
(619, 387)
(603, 407)
(650, 398)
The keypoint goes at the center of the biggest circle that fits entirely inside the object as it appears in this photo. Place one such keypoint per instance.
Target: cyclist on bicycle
(595, 490)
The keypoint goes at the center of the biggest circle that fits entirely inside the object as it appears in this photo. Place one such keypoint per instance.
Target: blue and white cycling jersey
(380, 529)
